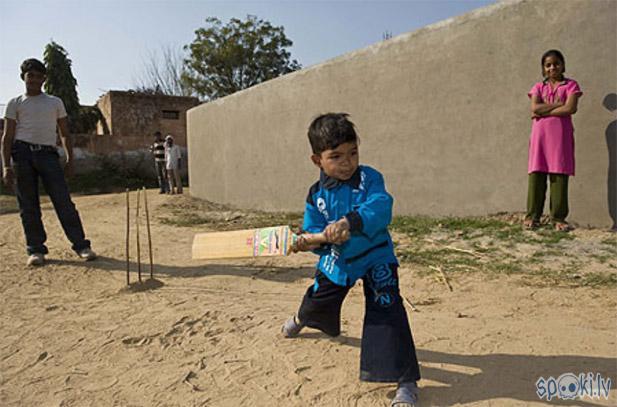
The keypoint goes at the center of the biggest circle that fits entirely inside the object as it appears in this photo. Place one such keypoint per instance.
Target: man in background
(158, 151)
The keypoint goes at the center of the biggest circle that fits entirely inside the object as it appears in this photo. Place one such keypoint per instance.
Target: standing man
(173, 163)
(29, 138)
(158, 151)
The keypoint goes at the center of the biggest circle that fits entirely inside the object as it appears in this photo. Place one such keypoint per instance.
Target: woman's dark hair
(32, 64)
(553, 53)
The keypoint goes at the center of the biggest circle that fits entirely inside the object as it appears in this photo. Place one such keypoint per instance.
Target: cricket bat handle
(312, 240)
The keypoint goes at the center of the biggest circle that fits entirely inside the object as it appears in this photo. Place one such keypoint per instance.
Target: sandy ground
(209, 335)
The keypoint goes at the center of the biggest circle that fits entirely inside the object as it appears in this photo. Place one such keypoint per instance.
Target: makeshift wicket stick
(128, 229)
(149, 237)
(443, 276)
(137, 233)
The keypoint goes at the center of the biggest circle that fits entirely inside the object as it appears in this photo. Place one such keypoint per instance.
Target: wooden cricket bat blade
(263, 242)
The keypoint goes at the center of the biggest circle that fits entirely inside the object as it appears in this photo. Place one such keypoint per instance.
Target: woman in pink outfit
(551, 145)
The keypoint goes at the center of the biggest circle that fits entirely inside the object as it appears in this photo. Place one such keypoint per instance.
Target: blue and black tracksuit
(388, 353)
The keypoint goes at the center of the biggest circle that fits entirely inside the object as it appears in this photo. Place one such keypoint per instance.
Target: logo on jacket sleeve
(321, 206)
(362, 180)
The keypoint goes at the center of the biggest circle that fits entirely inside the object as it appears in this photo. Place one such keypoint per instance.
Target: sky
(109, 40)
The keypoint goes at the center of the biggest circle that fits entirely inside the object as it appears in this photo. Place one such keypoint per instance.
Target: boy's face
(339, 163)
(34, 80)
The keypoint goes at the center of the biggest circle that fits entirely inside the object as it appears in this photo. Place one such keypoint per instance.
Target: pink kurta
(551, 145)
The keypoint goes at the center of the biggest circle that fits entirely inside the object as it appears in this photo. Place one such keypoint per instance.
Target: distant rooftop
(141, 94)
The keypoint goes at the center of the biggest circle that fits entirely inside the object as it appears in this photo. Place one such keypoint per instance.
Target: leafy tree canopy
(224, 59)
(60, 80)
(61, 83)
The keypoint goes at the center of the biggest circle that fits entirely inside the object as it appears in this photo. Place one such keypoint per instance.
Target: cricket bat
(264, 242)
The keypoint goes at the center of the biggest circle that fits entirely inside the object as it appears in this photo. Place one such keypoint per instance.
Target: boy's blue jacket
(363, 200)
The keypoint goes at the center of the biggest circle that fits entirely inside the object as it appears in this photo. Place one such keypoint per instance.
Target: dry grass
(493, 245)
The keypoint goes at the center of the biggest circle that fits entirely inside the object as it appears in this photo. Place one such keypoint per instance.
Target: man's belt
(37, 147)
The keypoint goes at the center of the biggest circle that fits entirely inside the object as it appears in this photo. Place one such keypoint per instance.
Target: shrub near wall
(113, 172)
(102, 173)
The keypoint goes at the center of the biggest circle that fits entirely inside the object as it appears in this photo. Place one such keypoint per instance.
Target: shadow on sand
(491, 376)
(263, 271)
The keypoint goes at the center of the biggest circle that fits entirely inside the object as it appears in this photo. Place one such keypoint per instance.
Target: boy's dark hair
(330, 130)
(157, 134)
(32, 64)
(553, 53)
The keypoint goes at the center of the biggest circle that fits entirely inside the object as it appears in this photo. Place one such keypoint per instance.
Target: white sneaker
(87, 254)
(36, 259)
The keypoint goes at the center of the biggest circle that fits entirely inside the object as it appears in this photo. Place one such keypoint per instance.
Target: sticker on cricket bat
(263, 242)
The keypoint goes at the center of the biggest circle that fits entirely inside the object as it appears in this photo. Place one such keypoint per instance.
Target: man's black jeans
(32, 162)
(161, 175)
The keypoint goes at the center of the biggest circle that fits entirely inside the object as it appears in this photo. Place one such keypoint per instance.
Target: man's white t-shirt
(36, 117)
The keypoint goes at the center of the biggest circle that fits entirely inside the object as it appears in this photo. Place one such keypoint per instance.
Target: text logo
(570, 386)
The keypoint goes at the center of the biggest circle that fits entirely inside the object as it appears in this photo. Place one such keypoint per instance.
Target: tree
(61, 82)
(162, 73)
(227, 58)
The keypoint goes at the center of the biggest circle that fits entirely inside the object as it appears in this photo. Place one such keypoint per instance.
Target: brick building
(131, 117)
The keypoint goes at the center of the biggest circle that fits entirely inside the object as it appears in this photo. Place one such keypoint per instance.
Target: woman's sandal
(563, 227)
(529, 224)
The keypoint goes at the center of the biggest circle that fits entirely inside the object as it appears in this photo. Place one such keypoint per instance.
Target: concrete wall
(92, 150)
(443, 112)
(109, 143)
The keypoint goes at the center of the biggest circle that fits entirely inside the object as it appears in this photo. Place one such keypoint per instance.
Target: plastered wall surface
(443, 112)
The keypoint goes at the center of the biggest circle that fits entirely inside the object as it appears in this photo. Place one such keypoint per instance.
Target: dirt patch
(209, 333)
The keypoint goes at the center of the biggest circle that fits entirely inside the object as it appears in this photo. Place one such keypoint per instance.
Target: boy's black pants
(388, 353)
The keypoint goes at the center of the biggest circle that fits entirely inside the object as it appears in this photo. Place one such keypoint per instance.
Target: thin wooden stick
(128, 230)
(149, 237)
(137, 233)
(413, 307)
(443, 276)
(456, 249)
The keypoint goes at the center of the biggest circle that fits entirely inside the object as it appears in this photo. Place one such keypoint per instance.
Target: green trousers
(536, 194)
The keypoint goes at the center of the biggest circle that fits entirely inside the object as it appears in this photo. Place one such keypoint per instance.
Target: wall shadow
(265, 272)
(610, 103)
(342, 339)
(504, 376)
(492, 376)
